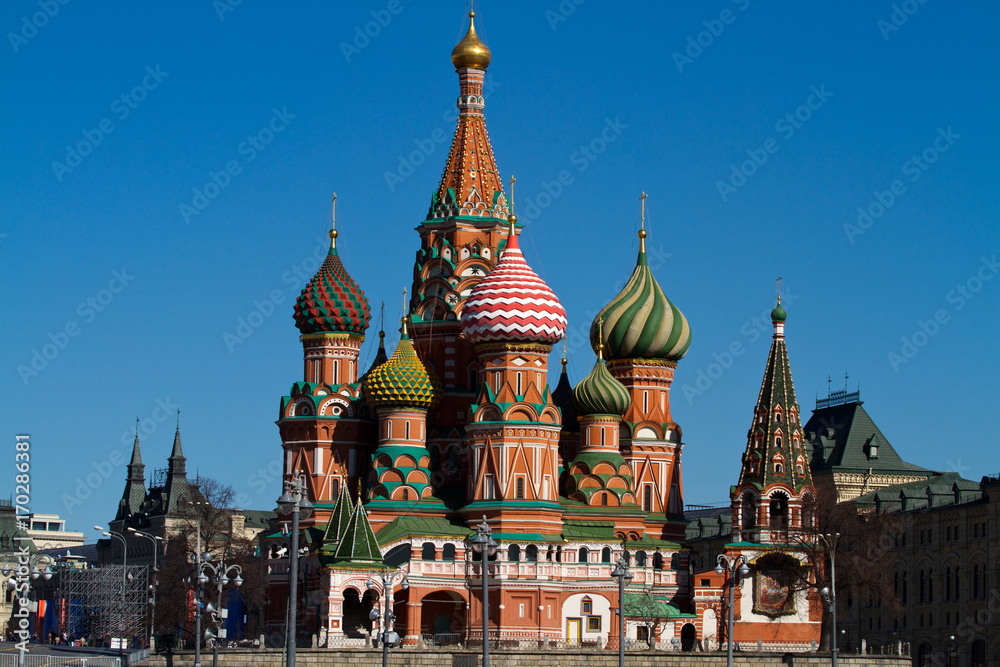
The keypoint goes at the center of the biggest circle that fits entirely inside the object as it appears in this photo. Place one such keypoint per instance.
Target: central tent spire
(470, 185)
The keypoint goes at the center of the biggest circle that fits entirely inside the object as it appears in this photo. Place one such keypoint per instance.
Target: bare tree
(208, 518)
(864, 547)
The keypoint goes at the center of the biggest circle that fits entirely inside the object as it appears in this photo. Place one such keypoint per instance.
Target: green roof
(418, 526)
(847, 447)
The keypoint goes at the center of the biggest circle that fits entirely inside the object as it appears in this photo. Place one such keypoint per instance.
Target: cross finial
(333, 222)
(600, 338)
(137, 427)
(564, 354)
(178, 419)
(359, 489)
(779, 290)
(404, 332)
(642, 222)
(511, 218)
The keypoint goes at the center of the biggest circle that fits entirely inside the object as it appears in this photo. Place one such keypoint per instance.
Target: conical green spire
(338, 520)
(358, 543)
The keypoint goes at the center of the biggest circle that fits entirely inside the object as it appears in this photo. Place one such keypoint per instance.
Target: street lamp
(295, 502)
(736, 567)
(152, 587)
(388, 579)
(220, 575)
(623, 576)
(483, 543)
(199, 581)
(121, 624)
(830, 594)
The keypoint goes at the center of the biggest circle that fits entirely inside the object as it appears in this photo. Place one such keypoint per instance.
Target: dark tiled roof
(938, 490)
(847, 446)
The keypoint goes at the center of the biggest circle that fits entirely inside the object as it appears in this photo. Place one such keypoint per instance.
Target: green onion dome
(401, 382)
(778, 314)
(600, 394)
(641, 323)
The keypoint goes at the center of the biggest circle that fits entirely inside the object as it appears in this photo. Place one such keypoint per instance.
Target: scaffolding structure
(96, 606)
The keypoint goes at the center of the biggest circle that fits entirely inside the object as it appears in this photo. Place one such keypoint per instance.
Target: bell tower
(775, 498)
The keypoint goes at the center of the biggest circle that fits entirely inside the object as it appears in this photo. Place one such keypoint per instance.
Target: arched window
(602, 438)
(640, 559)
(947, 584)
(514, 553)
(958, 585)
(749, 511)
(604, 499)
(778, 468)
(531, 553)
(583, 555)
(975, 581)
(779, 511)
(777, 441)
(448, 552)
(645, 402)
(520, 488)
(657, 561)
(407, 430)
(921, 597)
(428, 552)
(647, 498)
(586, 605)
(606, 555)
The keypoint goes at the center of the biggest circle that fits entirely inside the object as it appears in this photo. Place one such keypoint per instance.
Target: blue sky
(758, 132)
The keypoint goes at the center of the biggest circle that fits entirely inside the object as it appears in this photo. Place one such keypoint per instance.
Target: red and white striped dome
(513, 304)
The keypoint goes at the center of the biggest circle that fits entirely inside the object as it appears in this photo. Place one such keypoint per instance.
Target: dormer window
(872, 448)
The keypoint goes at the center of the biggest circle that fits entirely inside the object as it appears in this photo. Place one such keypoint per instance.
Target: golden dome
(471, 52)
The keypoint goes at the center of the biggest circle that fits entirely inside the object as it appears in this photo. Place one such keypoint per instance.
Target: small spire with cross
(642, 222)
(333, 222)
(779, 289)
(511, 218)
(403, 330)
(600, 338)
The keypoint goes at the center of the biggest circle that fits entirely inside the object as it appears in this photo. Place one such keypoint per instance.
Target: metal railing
(41, 660)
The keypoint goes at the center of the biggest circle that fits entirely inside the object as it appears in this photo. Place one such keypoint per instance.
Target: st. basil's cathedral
(403, 459)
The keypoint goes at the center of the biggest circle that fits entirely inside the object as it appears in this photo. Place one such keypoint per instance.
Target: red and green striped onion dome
(600, 394)
(512, 304)
(401, 382)
(641, 323)
(332, 301)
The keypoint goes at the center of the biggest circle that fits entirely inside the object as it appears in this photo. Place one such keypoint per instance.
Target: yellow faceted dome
(471, 52)
(403, 381)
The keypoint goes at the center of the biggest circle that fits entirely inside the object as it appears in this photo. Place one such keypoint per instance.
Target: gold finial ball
(471, 52)
(642, 233)
(512, 219)
(334, 233)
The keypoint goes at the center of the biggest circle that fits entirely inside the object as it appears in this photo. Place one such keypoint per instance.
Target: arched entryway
(924, 656)
(689, 636)
(356, 622)
(978, 653)
(442, 617)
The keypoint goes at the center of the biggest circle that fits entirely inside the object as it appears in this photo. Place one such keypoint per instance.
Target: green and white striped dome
(641, 322)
